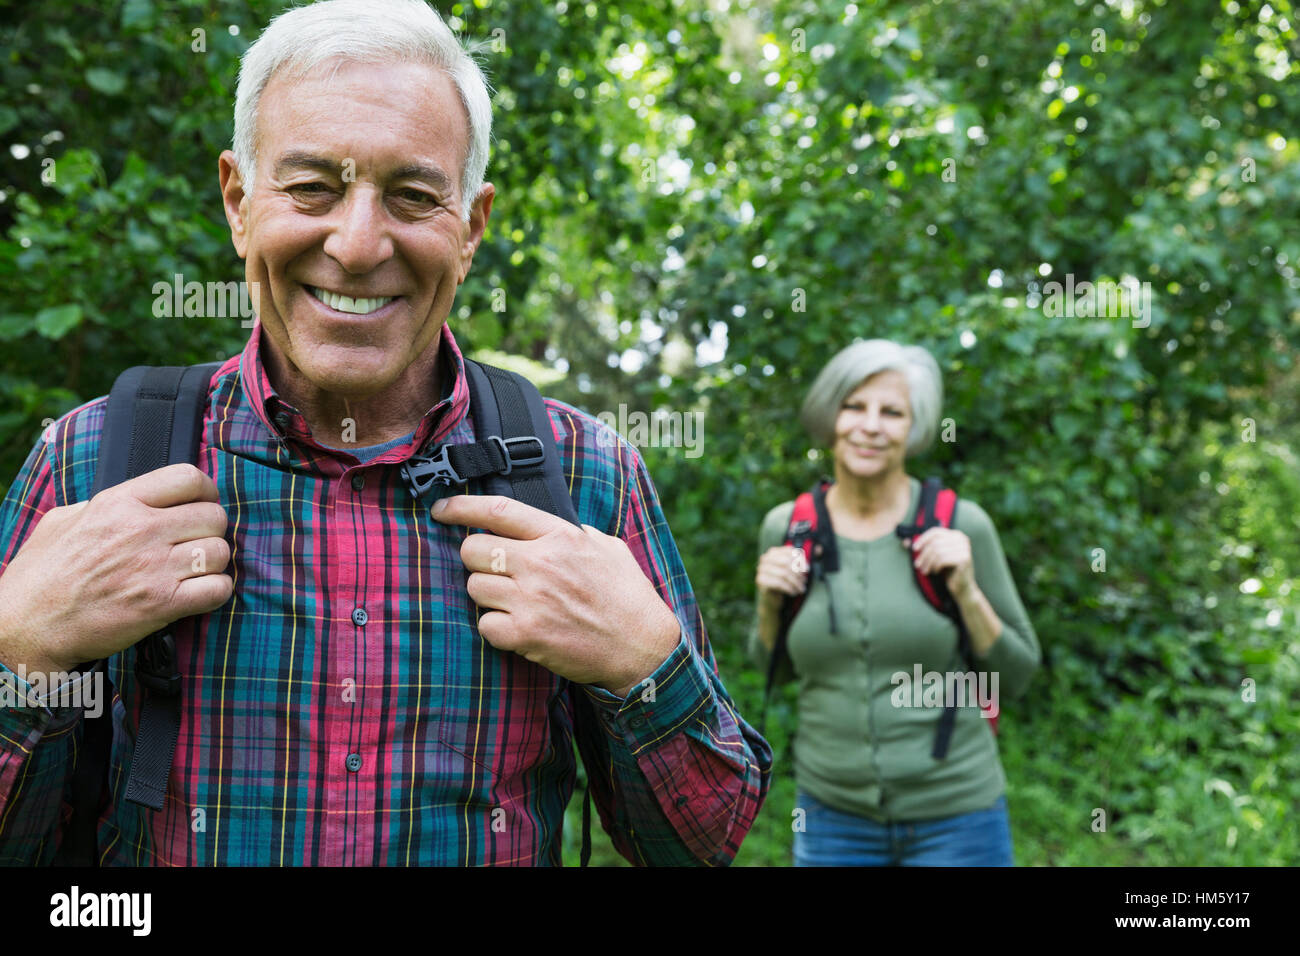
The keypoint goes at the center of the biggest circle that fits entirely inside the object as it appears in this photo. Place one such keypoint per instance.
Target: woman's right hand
(782, 570)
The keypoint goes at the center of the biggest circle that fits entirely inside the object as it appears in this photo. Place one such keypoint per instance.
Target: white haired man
(368, 684)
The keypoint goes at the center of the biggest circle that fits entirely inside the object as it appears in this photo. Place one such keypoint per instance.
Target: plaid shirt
(313, 733)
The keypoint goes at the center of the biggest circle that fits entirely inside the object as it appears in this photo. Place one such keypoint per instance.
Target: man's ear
(234, 200)
(473, 231)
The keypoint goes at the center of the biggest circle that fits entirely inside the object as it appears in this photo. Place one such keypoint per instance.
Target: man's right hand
(96, 576)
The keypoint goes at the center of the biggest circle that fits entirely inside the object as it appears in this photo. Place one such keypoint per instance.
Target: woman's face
(872, 427)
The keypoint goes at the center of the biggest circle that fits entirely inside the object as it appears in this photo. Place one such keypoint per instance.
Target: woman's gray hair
(858, 362)
(366, 31)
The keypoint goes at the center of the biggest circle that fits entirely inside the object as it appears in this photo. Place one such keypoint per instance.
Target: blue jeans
(834, 838)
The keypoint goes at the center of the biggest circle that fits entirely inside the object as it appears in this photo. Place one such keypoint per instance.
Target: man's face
(356, 194)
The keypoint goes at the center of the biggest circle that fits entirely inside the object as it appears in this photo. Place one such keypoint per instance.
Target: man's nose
(359, 239)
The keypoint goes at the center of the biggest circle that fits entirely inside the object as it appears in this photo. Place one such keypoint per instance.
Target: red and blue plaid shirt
(309, 738)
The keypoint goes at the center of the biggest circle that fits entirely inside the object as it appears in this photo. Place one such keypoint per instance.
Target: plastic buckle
(159, 673)
(512, 461)
(422, 472)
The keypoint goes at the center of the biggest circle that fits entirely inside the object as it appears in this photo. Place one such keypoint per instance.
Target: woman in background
(872, 792)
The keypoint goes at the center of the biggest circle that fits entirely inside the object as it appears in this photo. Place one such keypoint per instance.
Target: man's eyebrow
(300, 160)
(303, 160)
(431, 174)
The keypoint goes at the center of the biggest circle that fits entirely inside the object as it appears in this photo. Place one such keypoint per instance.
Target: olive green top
(860, 749)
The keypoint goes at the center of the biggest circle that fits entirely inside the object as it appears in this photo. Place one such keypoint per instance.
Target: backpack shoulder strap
(515, 455)
(154, 418)
(508, 408)
(937, 508)
(808, 529)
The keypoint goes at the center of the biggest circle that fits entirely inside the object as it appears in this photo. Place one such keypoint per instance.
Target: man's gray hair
(369, 31)
(858, 362)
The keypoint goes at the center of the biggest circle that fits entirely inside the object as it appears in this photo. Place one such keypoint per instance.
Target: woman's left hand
(945, 550)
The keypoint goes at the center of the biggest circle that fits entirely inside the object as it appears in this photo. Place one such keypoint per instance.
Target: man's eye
(313, 189)
(417, 196)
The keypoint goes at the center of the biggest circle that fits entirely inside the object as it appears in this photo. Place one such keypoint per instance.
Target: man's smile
(344, 303)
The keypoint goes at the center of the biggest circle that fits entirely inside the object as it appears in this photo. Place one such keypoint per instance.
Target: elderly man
(364, 682)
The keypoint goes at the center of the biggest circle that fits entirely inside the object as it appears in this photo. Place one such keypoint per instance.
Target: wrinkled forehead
(415, 97)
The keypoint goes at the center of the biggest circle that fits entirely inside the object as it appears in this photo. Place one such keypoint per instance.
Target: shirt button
(358, 482)
(353, 762)
(359, 617)
(636, 722)
(282, 421)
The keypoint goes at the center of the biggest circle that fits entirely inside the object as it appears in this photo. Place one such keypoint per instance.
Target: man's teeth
(343, 303)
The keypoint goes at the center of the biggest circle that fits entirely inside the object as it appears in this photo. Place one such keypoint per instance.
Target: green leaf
(58, 320)
(106, 81)
(1067, 426)
(137, 13)
(14, 326)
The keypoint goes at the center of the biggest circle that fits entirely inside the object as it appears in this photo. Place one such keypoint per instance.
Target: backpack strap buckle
(518, 461)
(422, 472)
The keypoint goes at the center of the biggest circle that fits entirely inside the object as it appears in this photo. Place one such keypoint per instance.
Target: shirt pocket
(496, 707)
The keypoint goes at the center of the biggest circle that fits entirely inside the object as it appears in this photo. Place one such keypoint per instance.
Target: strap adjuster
(521, 461)
(422, 472)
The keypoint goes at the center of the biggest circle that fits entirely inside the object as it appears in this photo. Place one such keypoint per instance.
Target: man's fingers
(504, 516)
(193, 521)
(173, 485)
(204, 556)
(495, 591)
(498, 629)
(491, 553)
(202, 594)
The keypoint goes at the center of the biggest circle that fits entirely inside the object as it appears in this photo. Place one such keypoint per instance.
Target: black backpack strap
(154, 418)
(515, 456)
(826, 554)
(520, 417)
(809, 529)
(507, 408)
(937, 594)
(166, 426)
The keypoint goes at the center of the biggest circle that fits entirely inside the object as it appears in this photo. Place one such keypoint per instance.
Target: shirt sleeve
(1015, 655)
(677, 774)
(37, 741)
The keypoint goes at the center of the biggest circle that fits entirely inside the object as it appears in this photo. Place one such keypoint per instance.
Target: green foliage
(783, 177)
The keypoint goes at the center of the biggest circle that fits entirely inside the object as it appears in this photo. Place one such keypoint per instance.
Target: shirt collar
(284, 420)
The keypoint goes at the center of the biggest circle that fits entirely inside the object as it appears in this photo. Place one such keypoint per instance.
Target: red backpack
(810, 531)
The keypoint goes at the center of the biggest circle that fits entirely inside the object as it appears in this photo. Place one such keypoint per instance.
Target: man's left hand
(571, 599)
